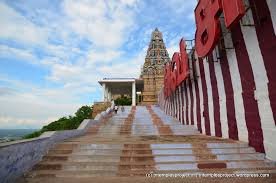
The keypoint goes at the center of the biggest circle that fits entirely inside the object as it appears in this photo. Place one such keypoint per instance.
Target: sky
(53, 52)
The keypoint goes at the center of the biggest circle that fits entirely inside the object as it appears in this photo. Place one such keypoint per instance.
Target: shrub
(123, 101)
(65, 123)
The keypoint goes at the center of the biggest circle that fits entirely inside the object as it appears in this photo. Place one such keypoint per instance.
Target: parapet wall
(18, 157)
(231, 93)
(99, 107)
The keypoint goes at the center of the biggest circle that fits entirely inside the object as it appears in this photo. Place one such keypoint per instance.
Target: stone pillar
(133, 94)
(104, 88)
(105, 92)
(109, 95)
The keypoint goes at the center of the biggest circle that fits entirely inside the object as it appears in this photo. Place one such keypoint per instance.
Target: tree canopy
(65, 123)
(123, 100)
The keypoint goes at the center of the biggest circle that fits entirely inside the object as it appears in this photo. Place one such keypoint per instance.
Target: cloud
(23, 54)
(33, 107)
(77, 43)
(180, 6)
(95, 56)
(9, 122)
(18, 28)
(105, 23)
(6, 91)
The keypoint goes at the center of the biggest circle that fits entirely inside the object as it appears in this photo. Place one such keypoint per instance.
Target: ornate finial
(156, 29)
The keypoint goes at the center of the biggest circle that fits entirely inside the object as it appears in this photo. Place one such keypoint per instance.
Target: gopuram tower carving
(153, 69)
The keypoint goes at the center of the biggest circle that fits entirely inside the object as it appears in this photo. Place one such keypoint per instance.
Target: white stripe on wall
(237, 87)
(189, 101)
(221, 93)
(210, 96)
(184, 103)
(261, 92)
(193, 91)
(180, 104)
(200, 95)
(272, 8)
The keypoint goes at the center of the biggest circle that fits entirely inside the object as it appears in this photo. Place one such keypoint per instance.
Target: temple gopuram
(143, 90)
(153, 69)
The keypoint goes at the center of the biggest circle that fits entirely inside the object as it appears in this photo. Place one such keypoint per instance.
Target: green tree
(123, 101)
(84, 112)
(65, 123)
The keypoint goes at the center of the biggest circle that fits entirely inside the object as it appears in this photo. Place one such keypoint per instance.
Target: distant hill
(14, 134)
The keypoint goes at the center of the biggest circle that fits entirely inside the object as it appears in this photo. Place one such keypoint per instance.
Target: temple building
(153, 68)
(143, 90)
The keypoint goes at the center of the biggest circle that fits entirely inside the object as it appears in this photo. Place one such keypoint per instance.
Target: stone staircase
(142, 143)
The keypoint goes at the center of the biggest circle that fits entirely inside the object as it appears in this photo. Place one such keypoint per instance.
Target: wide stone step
(143, 178)
(228, 157)
(178, 151)
(158, 166)
(135, 143)
(71, 146)
(143, 173)
(215, 165)
(162, 158)
(149, 160)
(72, 173)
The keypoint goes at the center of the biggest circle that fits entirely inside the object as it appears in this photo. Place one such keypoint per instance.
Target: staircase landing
(143, 143)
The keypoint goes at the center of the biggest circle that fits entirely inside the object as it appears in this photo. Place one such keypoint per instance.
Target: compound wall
(231, 93)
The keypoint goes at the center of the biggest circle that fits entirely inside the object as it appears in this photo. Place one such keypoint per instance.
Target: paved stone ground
(142, 143)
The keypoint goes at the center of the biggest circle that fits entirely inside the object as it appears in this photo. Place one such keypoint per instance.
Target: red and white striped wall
(232, 92)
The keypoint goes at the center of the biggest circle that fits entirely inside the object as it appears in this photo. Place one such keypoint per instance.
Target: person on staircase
(116, 109)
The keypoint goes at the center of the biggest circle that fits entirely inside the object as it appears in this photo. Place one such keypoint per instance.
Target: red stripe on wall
(178, 106)
(186, 102)
(172, 107)
(191, 101)
(267, 44)
(171, 102)
(179, 103)
(182, 102)
(252, 117)
(165, 104)
(175, 104)
(229, 93)
(215, 96)
(197, 99)
(205, 97)
(168, 105)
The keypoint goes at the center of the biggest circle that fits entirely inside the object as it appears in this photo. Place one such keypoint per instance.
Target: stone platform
(142, 143)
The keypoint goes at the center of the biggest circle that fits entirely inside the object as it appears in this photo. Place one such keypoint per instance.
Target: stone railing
(18, 157)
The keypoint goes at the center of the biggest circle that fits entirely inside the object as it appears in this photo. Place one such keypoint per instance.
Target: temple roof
(157, 54)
